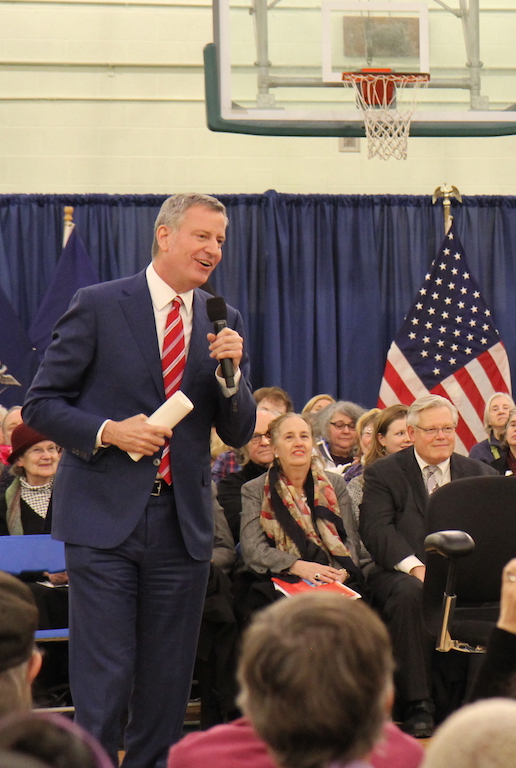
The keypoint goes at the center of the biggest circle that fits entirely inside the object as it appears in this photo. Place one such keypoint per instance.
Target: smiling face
(293, 444)
(39, 462)
(434, 448)
(396, 438)
(188, 255)
(259, 446)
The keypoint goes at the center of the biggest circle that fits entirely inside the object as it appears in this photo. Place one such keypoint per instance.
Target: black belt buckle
(158, 487)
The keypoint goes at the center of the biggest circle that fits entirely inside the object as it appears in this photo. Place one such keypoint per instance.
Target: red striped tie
(172, 364)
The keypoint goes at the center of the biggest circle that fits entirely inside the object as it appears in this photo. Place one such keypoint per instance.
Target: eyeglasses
(340, 425)
(447, 431)
(257, 437)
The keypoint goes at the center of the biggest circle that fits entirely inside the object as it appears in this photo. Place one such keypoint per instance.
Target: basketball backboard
(276, 67)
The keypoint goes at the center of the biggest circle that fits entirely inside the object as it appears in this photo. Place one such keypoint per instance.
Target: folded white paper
(168, 414)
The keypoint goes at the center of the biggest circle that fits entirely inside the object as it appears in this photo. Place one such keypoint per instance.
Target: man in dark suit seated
(393, 529)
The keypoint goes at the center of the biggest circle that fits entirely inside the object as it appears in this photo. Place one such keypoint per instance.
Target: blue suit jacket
(104, 362)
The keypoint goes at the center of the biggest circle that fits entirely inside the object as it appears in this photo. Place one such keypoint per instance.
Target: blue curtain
(322, 281)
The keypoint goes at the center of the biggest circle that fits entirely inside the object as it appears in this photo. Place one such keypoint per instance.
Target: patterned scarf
(312, 529)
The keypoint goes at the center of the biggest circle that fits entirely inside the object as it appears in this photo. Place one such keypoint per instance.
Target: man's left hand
(227, 343)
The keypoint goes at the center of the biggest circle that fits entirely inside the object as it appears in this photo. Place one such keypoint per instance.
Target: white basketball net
(387, 102)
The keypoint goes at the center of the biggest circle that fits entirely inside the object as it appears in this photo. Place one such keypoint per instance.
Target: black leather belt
(160, 487)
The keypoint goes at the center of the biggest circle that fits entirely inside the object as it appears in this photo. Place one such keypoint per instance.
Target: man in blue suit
(138, 550)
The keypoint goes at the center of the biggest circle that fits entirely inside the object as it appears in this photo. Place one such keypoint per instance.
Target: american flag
(448, 345)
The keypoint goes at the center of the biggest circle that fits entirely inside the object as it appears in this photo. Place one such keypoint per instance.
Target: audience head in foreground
(480, 735)
(52, 739)
(316, 680)
(20, 661)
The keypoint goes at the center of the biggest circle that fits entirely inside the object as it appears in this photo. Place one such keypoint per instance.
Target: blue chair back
(35, 552)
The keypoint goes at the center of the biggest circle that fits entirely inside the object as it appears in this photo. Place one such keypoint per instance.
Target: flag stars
(451, 286)
(470, 337)
(483, 340)
(412, 335)
(422, 291)
(485, 327)
(461, 305)
(472, 323)
(446, 252)
(435, 296)
(458, 319)
(414, 321)
(454, 347)
(447, 300)
(455, 271)
(474, 309)
(463, 290)
(427, 276)
(442, 265)
(426, 339)
(431, 310)
(436, 371)
(445, 315)
(487, 313)
(442, 329)
(428, 325)
(419, 306)
(424, 353)
(456, 256)
(440, 343)
(476, 295)
(453, 361)
(468, 350)
(438, 357)
(465, 275)
(450, 236)
(456, 332)
(439, 281)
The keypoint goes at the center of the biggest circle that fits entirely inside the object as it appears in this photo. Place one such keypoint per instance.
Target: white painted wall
(141, 129)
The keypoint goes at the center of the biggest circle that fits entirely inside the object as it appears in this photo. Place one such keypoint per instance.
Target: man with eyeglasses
(393, 529)
(259, 454)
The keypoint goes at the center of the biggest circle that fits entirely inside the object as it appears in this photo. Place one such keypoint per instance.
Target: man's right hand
(136, 435)
(419, 572)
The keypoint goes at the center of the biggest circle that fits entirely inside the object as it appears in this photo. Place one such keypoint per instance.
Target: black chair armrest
(450, 543)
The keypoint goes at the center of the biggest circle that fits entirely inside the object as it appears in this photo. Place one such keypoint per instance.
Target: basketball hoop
(387, 101)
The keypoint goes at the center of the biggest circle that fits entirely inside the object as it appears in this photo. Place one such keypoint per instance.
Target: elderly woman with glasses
(336, 434)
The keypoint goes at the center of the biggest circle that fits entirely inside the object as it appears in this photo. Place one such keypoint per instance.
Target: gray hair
(173, 210)
(426, 403)
(480, 735)
(507, 396)
(322, 419)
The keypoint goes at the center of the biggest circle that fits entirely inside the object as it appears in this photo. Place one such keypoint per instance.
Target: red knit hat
(23, 438)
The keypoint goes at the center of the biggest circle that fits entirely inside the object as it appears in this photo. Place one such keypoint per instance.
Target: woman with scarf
(296, 520)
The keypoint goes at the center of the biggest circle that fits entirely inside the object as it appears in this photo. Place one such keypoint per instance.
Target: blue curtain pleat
(322, 281)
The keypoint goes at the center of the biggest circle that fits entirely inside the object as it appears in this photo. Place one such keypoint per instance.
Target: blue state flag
(74, 270)
(18, 360)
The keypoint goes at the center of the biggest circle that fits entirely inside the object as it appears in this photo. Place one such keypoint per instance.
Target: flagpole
(68, 223)
(446, 193)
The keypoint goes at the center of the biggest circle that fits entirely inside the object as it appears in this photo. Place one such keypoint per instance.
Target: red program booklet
(290, 589)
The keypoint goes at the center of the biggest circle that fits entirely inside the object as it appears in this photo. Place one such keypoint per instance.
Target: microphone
(217, 314)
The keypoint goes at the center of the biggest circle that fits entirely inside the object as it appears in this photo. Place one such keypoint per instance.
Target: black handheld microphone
(217, 314)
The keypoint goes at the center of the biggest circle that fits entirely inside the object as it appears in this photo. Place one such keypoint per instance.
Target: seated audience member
(20, 660)
(393, 529)
(273, 399)
(506, 464)
(389, 435)
(316, 404)
(24, 508)
(316, 676)
(53, 739)
(496, 414)
(259, 453)
(480, 735)
(296, 520)
(365, 436)
(497, 674)
(215, 665)
(336, 434)
(10, 421)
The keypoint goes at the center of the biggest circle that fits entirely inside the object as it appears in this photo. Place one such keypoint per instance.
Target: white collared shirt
(162, 296)
(444, 477)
